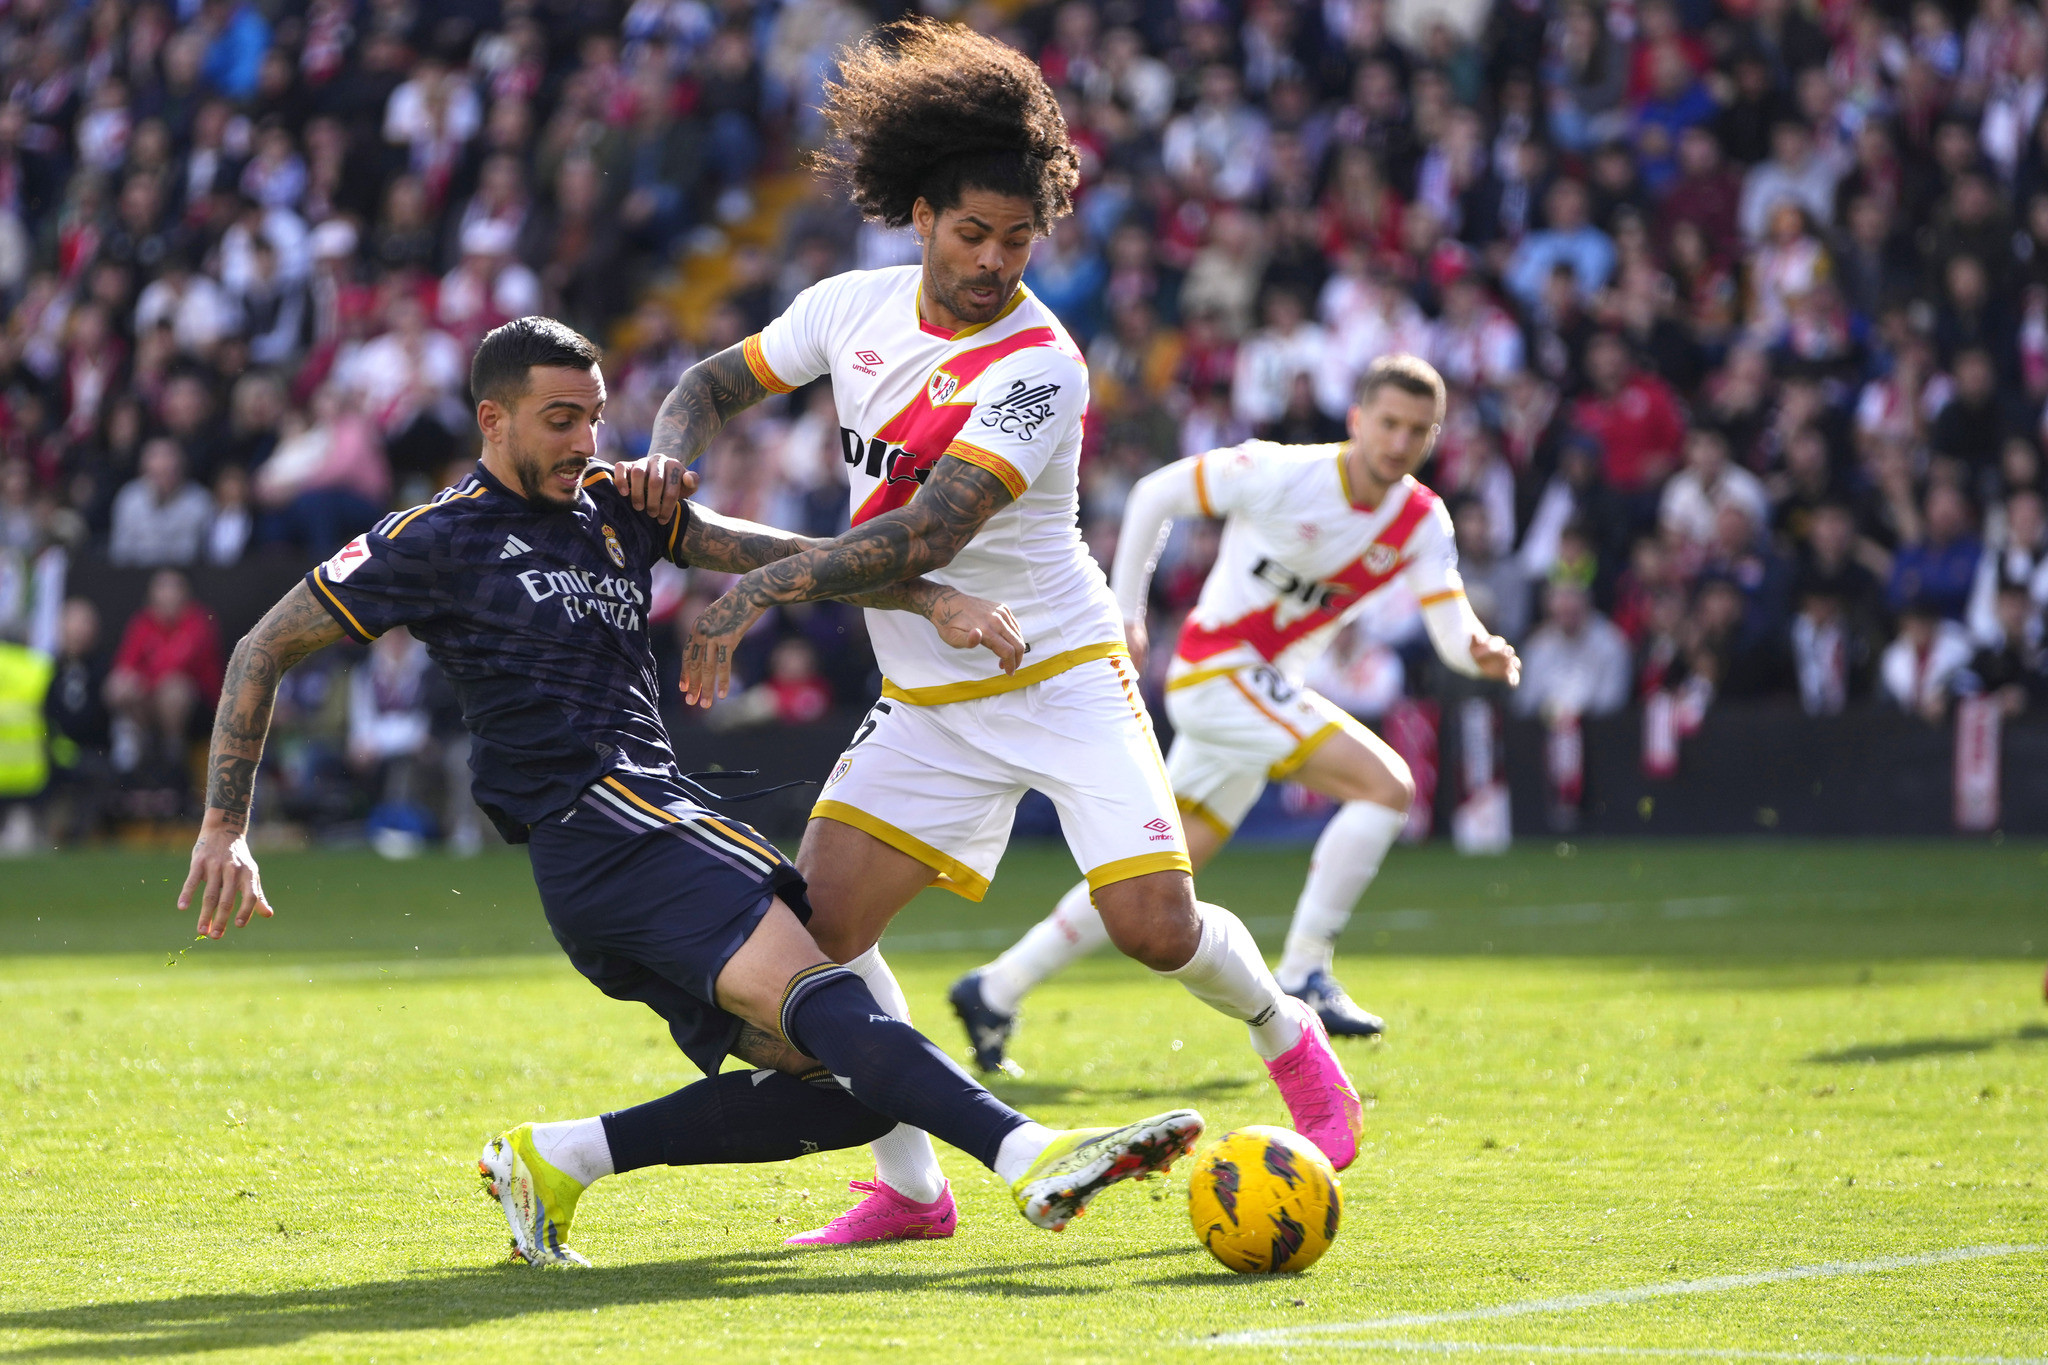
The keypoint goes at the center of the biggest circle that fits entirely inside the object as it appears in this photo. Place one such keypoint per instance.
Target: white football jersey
(1298, 557)
(1007, 396)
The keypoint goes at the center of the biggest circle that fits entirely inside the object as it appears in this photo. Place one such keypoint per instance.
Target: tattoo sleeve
(732, 545)
(288, 632)
(955, 502)
(701, 403)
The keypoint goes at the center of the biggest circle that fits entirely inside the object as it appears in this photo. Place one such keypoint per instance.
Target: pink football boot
(1320, 1097)
(884, 1216)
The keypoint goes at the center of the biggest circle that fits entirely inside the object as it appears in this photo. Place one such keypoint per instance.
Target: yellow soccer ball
(1265, 1199)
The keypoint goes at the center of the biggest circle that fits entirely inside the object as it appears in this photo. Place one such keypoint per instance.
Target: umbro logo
(1158, 826)
(513, 546)
(867, 357)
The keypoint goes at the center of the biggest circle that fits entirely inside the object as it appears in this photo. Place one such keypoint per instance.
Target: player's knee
(1152, 919)
(1394, 786)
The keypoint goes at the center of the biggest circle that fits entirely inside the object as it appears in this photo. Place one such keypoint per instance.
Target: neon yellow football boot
(1083, 1162)
(539, 1201)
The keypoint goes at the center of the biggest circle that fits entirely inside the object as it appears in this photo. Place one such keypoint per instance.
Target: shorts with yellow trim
(1234, 730)
(941, 783)
(650, 894)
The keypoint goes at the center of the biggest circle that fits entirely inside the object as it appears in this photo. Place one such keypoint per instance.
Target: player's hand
(964, 621)
(654, 484)
(1138, 640)
(1497, 659)
(222, 863)
(714, 637)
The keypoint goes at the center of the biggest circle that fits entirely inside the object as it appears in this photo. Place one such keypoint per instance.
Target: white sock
(1228, 975)
(1071, 932)
(575, 1147)
(1020, 1149)
(1347, 857)
(904, 1159)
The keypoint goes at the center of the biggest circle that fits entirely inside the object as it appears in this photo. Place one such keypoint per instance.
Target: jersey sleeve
(660, 541)
(1027, 406)
(378, 581)
(1228, 480)
(797, 347)
(1431, 562)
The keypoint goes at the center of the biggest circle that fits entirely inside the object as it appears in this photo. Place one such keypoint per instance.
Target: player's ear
(492, 419)
(923, 218)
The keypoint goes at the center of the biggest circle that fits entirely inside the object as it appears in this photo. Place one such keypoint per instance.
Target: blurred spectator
(1937, 567)
(1568, 239)
(1495, 583)
(2012, 667)
(1693, 496)
(160, 517)
(81, 772)
(166, 671)
(1287, 348)
(1918, 667)
(1795, 174)
(1576, 663)
(1633, 416)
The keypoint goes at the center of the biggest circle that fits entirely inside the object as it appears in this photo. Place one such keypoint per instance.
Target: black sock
(829, 1013)
(741, 1116)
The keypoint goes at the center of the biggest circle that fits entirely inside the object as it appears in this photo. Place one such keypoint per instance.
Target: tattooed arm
(954, 504)
(221, 861)
(731, 545)
(696, 409)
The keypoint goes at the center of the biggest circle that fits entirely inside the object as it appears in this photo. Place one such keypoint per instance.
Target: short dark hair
(925, 110)
(503, 357)
(1409, 374)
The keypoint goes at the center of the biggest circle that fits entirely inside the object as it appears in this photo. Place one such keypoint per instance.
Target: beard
(951, 291)
(534, 472)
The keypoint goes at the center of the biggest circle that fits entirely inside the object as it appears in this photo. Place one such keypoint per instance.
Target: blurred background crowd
(1743, 303)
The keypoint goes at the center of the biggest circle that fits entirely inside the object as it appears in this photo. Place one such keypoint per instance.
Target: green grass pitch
(1618, 1067)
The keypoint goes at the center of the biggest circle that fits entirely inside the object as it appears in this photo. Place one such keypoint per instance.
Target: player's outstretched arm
(734, 545)
(955, 503)
(696, 409)
(221, 861)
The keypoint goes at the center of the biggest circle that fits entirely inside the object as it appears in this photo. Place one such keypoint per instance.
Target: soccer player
(960, 401)
(1309, 534)
(528, 583)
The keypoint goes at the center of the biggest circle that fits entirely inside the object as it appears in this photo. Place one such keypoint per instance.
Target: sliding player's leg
(1356, 767)
(1103, 772)
(780, 981)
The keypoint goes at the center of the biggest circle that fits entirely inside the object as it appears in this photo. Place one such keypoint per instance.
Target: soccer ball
(1265, 1199)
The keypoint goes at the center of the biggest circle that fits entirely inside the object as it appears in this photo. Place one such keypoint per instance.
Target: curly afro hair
(927, 110)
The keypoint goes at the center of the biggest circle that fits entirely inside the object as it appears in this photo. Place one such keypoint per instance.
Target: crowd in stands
(1744, 305)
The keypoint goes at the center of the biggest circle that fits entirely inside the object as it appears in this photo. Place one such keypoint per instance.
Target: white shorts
(941, 783)
(1237, 729)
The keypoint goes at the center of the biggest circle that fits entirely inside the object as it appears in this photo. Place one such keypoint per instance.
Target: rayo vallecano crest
(1381, 557)
(941, 388)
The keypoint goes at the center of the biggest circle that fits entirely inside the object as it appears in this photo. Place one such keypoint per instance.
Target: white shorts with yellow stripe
(1236, 729)
(941, 783)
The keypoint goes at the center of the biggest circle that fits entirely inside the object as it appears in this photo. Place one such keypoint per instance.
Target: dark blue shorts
(650, 895)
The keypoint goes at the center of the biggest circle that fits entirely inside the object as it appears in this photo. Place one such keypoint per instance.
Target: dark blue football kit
(537, 615)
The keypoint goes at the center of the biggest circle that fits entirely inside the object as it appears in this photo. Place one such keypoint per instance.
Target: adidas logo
(513, 546)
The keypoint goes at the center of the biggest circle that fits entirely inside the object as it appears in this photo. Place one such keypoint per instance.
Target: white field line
(1397, 1346)
(1567, 1302)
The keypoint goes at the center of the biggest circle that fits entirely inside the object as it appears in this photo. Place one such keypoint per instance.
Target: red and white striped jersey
(1299, 557)
(1007, 396)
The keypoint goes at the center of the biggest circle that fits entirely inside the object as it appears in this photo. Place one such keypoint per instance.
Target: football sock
(576, 1147)
(1020, 1149)
(829, 1013)
(1227, 974)
(1347, 857)
(1071, 932)
(904, 1159)
(736, 1116)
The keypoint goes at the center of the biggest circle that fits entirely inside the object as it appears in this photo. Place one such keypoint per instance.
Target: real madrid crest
(618, 551)
(1380, 557)
(941, 388)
